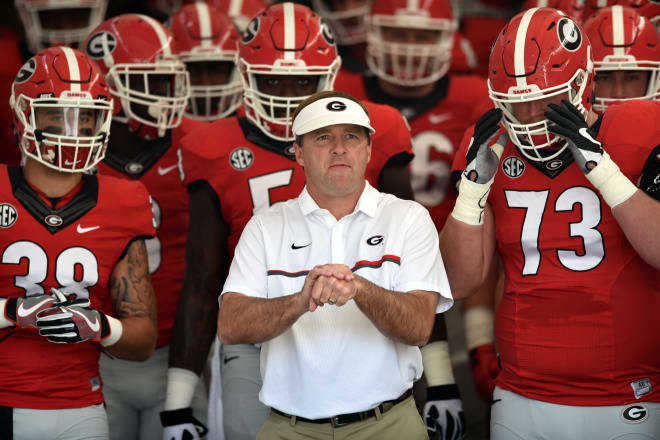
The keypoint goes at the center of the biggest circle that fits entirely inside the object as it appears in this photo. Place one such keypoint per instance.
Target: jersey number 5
(534, 202)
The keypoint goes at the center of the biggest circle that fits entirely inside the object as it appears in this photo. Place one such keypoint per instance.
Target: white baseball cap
(330, 111)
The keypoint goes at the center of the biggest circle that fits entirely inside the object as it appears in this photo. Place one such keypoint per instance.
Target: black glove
(570, 125)
(73, 320)
(443, 413)
(482, 161)
(179, 424)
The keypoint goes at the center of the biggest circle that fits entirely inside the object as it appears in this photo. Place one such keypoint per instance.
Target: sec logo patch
(8, 215)
(513, 167)
(241, 158)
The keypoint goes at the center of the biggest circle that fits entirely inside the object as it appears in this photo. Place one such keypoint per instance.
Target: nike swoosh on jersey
(82, 230)
(294, 247)
(23, 312)
(94, 326)
(438, 118)
(162, 171)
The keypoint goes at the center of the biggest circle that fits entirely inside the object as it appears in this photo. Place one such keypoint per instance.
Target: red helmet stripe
(235, 7)
(519, 55)
(413, 5)
(74, 68)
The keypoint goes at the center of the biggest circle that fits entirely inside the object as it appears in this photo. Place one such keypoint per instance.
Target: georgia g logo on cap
(336, 106)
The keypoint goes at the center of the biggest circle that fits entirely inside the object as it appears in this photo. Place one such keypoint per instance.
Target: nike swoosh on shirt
(23, 312)
(82, 230)
(94, 326)
(294, 247)
(438, 118)
(162, 171)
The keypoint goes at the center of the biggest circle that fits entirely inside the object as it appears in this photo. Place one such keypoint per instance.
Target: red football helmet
(572, 8)
(592, 6)
(651, 10)
(284, 39)
(410, 63)
(622, 39)
(62, 110)
(59, 22)
(541, 53)
(348, 25)
(139, 58)
(206, 35)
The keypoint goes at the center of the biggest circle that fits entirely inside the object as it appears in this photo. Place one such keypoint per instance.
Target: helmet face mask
(62, 120)
(624, 41)
(59, 22)
(539, 57)
(284, 40)
(410, 47)
(147, 80)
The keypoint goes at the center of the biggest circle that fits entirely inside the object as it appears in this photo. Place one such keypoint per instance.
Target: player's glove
(485, 367)
(73, 320)
(22, 312)
(180, 424)
(588, 153)
(570, 125)
(443, 413)
(482, 163)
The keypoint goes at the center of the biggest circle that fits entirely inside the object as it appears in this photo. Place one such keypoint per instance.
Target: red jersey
(74, 247)
(249, 171)
(158, 168)
(438, 123)
(578, 322)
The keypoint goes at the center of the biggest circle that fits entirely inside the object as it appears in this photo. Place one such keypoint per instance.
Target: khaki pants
(400, 422)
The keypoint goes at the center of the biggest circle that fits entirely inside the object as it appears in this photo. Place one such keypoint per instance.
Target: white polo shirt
(334, 360)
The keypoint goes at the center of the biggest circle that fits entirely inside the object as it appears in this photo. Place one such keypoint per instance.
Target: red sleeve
(392, 138)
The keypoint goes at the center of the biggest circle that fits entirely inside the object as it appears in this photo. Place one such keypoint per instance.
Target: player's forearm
(248, 320)
(639, 218)
(138, 339)
(194, 328)
(465, 255)
(402, 317)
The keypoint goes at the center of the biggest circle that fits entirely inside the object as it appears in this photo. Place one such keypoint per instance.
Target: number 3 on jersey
(534, 202)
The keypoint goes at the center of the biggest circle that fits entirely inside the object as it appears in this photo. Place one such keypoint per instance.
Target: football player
(74, 263)
(207, 41)
(150, 85)
(626, 49)
(409, 52)
(238, 166)
(239, 11)
(578, 239)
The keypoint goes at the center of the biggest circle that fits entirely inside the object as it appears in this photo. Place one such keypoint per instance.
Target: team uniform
(246, 172)
(74, 244)
(560, 339)
(437, 122)
(158, 167)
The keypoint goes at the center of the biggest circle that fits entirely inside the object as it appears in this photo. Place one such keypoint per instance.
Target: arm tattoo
(130, 286)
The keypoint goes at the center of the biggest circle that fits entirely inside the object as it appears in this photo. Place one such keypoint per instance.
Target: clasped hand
(333, 284)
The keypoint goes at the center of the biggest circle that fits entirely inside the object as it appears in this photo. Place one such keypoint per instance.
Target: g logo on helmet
(569, 34)
(101, 44)
(26, 72)
(336, 106)
(326, 32)
(251, 30)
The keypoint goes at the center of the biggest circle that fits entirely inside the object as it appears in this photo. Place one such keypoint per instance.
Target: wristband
(479, 327)
(181, 384)
(471, 201)
(613, 185)
(437, 364)
(116, 329)
(4, 322)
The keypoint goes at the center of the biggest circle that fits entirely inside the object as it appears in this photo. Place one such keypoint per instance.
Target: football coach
(341, 285)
